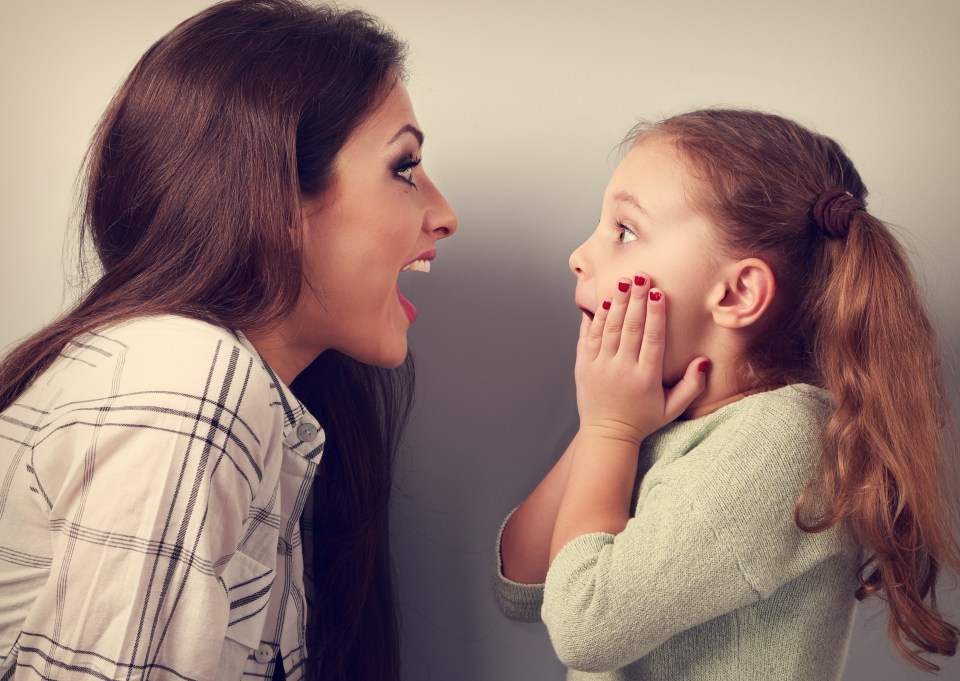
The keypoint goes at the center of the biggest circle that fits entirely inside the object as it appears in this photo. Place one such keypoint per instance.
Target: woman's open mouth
(419, 264)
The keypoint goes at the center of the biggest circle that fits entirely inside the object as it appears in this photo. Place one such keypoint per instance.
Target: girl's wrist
(608, 437)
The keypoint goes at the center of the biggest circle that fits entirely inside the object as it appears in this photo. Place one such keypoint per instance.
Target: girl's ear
(744, 293)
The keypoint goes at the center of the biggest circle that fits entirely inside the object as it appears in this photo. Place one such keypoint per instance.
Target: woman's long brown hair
(192, 204)
(850, 319)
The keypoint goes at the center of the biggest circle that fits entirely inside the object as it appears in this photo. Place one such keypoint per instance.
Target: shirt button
(264, 653)
(307, 432)
(281, 546)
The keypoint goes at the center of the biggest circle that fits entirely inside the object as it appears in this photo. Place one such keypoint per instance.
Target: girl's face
(648, 226)
(381, 215)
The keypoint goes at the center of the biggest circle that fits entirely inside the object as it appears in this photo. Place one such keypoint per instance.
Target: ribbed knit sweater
(711, 579)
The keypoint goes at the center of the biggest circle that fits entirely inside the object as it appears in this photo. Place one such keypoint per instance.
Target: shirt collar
(302, 432)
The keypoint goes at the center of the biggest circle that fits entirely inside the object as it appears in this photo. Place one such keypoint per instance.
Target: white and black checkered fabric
(152, 483)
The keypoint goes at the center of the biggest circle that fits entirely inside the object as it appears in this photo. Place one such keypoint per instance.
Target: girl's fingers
(595, 332)
(654, 330)
(613, 326)
(584, 330)
(636, 316)
(687, 389)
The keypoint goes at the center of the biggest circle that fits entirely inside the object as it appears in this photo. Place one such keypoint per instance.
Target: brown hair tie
(833, 210)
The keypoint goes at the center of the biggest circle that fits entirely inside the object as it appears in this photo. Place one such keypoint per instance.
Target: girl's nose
(577, 260)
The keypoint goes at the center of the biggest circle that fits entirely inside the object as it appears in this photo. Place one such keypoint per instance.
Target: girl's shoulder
(783, 409)
(784, 415)
(742, 470)
(764, 436)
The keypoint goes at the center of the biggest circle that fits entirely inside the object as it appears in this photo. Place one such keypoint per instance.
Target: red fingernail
(606, 304)
(623, 286)
(704, 365)
(655, 295)
(639, 281)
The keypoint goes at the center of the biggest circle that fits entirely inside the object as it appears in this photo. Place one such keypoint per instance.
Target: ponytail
(883, 463)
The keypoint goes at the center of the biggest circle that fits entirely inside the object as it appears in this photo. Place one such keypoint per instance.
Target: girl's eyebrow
(627, 197)
(412, 129)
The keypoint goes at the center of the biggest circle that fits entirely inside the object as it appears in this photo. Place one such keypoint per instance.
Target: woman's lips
(421, 263)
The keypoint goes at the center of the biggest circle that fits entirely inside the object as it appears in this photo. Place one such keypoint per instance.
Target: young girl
(169, 508)
(757, 335)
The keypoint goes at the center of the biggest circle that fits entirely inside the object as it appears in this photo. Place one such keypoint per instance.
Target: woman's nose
(441, 220)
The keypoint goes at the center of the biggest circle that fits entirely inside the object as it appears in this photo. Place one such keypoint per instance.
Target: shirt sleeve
(520, 602)
(713, 532)
(148, 490)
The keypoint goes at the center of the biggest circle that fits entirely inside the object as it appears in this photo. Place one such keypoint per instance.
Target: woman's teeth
(417, 266)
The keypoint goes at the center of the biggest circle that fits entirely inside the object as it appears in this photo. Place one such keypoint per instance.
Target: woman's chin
(388, 355)
(391, 363)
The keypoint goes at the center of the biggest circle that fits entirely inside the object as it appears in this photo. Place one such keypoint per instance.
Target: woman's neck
(283, 354)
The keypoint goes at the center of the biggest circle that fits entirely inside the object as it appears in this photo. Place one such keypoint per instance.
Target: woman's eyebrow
(412, 129)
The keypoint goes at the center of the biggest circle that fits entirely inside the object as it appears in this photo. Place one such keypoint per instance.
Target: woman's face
(381, 215)
(647, 225)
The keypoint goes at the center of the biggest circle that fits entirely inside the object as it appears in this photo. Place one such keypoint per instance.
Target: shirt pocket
(248, 584)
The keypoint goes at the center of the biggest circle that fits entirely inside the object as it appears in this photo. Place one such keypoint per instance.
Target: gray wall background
(523, 104)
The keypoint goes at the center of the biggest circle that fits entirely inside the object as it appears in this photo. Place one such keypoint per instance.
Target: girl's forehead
(650, 171)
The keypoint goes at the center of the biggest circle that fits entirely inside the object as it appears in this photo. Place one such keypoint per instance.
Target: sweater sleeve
(713, 532)
(520, 602)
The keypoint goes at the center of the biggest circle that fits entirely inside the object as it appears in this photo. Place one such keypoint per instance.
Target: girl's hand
(619, 368)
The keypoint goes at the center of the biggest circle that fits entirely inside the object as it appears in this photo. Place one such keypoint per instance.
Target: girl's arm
(602, 475)
(603, 455)
(525, 544)
(621, 400)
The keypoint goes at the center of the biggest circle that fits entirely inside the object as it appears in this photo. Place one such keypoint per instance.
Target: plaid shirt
(152, 482)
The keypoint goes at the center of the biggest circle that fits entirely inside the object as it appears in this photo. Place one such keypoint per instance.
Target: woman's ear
(744, 293)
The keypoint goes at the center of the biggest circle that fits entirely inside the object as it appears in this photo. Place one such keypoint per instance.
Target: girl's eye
(405, 170)
(624, 234)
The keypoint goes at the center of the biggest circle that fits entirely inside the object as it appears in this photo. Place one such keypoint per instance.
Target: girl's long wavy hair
(192, 203)
(850, 319)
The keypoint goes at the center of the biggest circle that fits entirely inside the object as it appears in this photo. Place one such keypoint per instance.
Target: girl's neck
(724, 386)
(698, 409)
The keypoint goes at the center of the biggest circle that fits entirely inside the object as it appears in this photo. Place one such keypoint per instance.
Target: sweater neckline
(686, 428)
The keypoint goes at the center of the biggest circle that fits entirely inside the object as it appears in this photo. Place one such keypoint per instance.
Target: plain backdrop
(523, 104)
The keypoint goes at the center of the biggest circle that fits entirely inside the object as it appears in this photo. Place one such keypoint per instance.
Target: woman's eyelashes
(405, 169)
(624, 234)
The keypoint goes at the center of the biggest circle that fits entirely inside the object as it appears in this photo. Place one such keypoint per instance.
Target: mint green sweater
(710, 579)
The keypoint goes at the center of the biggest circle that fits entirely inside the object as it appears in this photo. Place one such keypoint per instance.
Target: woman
(253, 192)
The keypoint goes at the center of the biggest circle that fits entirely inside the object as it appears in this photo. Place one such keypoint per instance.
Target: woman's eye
(405, 170)
(624, 234)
